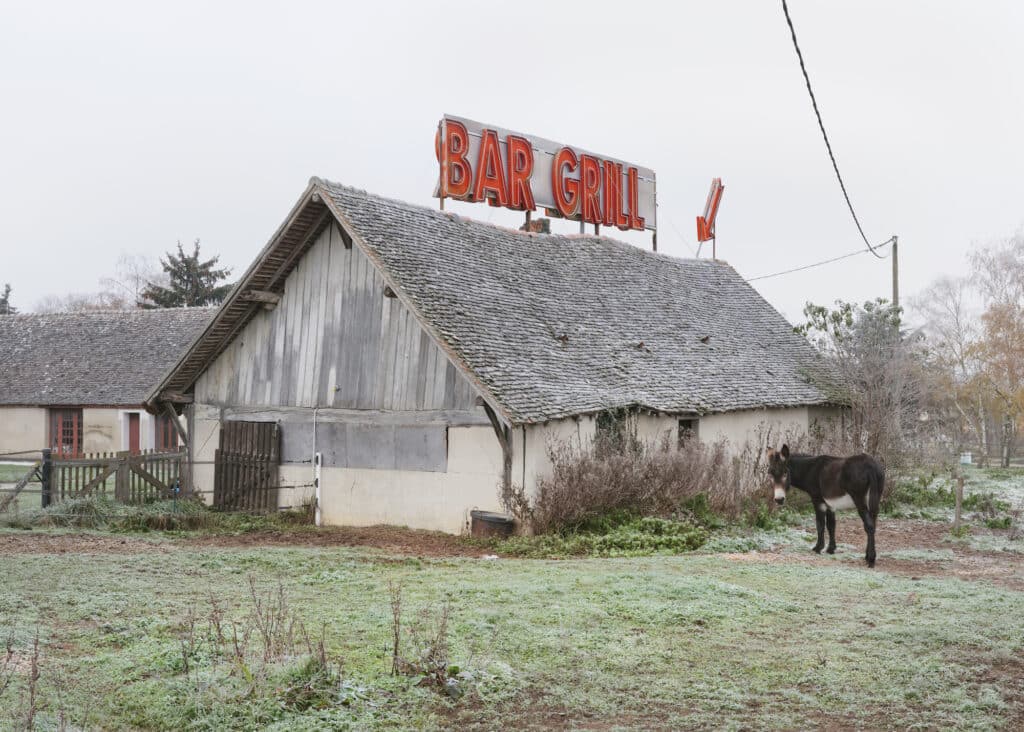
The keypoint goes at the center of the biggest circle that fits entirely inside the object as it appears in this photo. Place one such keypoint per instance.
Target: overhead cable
(821, 125)
(826, 261)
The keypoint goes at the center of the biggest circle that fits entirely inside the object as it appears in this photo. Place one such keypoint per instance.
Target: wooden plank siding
(335, 340)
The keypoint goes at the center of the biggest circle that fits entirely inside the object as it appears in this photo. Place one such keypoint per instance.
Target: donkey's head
(778, 469)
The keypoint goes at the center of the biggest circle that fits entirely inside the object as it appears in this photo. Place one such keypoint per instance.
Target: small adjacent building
(425, 359)
(76, 382)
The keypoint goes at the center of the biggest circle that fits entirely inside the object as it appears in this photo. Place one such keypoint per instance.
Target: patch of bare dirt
(392, 539)
(30, 542)
(901, 534)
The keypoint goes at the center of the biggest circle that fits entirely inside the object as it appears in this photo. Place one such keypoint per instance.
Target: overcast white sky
(125, 127)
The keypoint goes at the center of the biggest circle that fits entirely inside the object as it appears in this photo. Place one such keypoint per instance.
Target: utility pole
(895, 272)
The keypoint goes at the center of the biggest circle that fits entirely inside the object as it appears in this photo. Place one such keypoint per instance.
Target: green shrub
(920, 492)
(637, 537)
(985, 503)
(1002, 522)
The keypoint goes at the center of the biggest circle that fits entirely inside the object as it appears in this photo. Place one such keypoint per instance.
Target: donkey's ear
(770, 451)
(785, 451)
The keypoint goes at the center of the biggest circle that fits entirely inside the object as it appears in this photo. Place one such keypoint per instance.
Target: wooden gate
(141, 478)
(245, 467)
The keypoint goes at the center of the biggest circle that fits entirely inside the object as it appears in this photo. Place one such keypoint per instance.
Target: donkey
(833, 484)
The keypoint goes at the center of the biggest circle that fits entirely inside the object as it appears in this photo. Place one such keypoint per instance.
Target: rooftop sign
(482, 162)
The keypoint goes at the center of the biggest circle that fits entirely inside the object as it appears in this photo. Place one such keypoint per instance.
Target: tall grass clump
(185, 514)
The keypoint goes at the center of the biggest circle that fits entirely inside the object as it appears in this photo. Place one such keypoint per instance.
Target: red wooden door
(133, 432)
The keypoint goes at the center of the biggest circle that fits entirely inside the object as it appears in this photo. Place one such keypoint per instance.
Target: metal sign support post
(895, 273)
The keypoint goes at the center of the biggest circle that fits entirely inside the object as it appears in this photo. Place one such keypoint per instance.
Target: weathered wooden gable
(335, 340)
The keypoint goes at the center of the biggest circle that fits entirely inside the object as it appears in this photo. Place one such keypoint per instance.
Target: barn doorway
(245, 467)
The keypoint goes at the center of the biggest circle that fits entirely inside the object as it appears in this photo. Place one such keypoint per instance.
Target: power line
(826, 261)
(821, 125)
(679, 234)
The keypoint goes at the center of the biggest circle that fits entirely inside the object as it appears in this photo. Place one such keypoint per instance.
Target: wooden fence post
(46, 478)
(122, 478)
(959, 500)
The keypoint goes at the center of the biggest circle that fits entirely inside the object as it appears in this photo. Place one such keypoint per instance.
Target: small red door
(133, 432)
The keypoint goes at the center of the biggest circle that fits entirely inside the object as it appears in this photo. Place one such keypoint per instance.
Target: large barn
(429, 358)
(76, 382)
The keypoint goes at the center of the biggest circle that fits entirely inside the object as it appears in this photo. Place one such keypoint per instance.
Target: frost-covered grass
(994, 543)
(677, 642)
(1006, 484)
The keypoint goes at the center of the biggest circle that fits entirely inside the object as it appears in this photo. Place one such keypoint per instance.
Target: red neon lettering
(520, 168)
(460, 175)
(490, 174)
(610, 195)
(621, 219)
(636, 221)
(566, 189)
(590, 180)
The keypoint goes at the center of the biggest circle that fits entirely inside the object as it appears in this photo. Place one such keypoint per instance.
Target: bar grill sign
(481, 162)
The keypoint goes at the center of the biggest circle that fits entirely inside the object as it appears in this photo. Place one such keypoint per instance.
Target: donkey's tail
(876, 485)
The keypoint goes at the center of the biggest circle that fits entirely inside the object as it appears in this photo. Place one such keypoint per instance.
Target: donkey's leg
(830, 522)
(819, 520)
(869, 529)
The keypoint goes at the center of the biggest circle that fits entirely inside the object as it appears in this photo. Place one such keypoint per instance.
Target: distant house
(76, 382)
(429, 358)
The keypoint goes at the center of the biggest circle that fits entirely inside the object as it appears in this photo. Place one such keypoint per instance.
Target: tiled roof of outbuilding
(561, 325)
(92, 358)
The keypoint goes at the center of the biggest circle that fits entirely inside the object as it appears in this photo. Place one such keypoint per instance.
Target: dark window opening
(166, 435)
(687, 431)
(616, 431)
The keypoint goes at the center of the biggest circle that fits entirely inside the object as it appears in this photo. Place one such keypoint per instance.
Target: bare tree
(998, 273)
(879, 372)
(133, 275)
(123, 290)
(952, 330)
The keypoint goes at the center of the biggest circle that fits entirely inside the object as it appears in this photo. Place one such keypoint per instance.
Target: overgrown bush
(589, 483)
(622, 476)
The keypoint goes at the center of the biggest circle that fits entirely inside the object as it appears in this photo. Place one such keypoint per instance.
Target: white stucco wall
(418, 499)
(738, 428)
(530, 446)
(22, 428)
(205, 424)
(365, 497)
(101, 430)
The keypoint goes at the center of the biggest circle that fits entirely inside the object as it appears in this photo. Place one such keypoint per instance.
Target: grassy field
(10, 472)
(707, 641)
(142, 631)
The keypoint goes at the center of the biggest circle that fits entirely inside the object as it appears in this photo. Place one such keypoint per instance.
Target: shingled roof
(550, 326)
(110, 358)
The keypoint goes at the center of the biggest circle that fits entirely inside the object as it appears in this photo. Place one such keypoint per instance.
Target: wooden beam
(504, 436)
(169, 411)
(269, 299)
(175, 397)
(345, 237)
(299, 249)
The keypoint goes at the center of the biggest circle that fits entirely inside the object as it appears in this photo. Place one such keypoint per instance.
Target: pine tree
(191, 282)
(5, 302)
